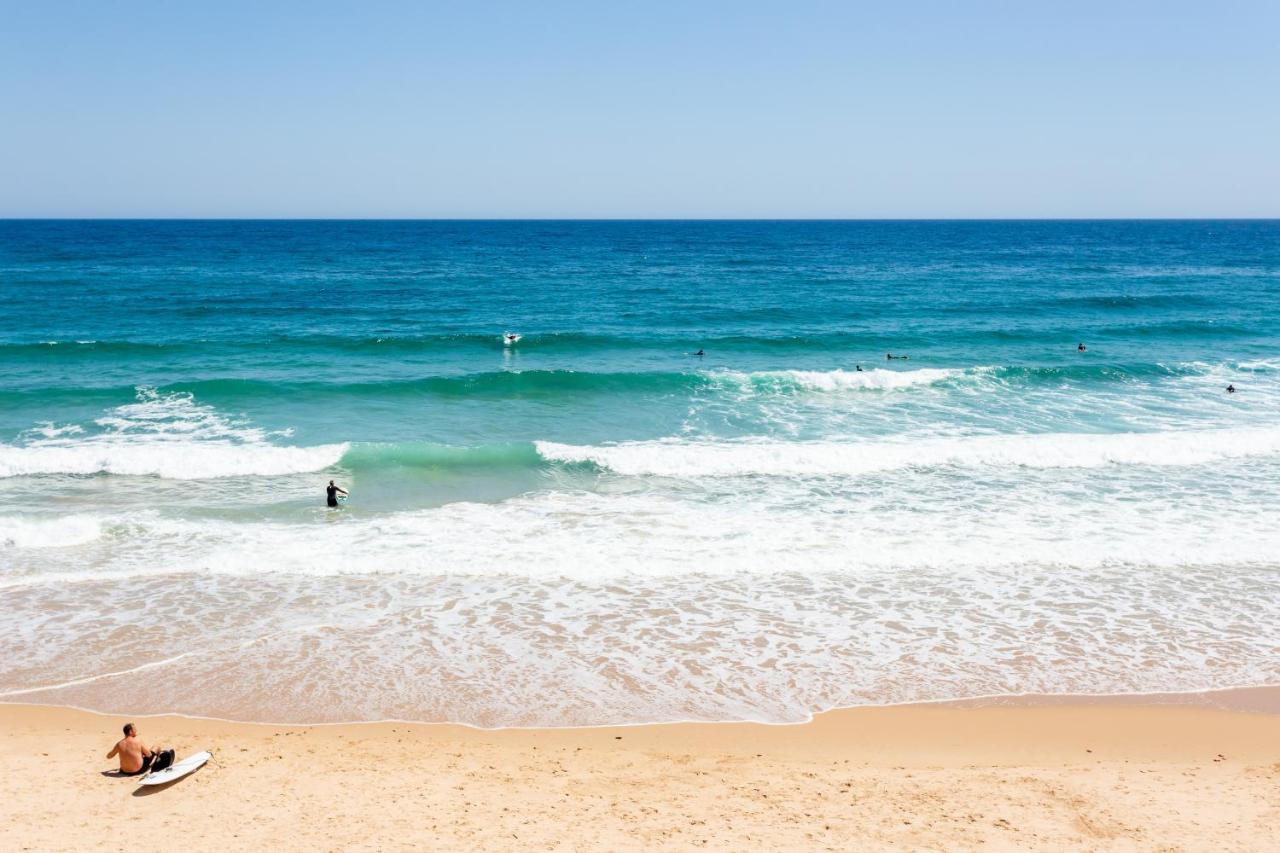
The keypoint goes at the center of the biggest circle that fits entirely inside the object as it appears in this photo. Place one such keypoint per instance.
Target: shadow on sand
(148, 790)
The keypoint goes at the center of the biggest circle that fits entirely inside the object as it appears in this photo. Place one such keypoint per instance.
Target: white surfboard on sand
(176, 770)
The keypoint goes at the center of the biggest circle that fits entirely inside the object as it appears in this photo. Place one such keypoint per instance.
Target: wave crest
(690, 459)
(833, 380)
(33, 532)
(171, 460)
(165, 435)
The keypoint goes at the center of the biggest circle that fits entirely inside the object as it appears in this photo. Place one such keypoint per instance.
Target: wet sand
(1043, 776)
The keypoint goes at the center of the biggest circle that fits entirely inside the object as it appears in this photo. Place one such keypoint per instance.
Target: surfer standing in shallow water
(332, 492)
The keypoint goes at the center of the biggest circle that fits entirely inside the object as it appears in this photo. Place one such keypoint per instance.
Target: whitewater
(597, 526)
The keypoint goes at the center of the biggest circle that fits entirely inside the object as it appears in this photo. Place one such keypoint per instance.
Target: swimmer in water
(1231, 389)
(332, 492)
(700, 352)
(1080, 347)
(858, 367)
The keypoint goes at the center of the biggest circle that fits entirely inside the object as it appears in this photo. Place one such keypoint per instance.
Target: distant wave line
(501, 384)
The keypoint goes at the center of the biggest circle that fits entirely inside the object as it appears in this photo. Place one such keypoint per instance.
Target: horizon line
(639, 219)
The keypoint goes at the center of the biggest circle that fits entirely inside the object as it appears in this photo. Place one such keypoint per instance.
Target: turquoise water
(595, 525)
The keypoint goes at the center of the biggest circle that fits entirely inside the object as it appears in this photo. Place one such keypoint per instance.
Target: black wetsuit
(332, 492)
(153, 762)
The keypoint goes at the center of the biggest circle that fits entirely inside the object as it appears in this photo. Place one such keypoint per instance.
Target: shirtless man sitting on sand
(135, 756)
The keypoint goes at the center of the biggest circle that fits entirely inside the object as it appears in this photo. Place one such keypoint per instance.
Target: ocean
(596, 526)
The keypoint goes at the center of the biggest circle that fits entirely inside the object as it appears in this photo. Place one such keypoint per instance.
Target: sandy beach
(1097, 776)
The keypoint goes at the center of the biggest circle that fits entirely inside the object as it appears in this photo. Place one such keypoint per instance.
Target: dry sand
(1051, 777)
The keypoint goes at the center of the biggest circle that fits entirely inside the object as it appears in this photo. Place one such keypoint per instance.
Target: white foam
(836, 380)
(956, 525)
(34, 532)
(52, 430)
(718, 602)
(162, 435)
(172, 460)
(690, 459)
(512, 650)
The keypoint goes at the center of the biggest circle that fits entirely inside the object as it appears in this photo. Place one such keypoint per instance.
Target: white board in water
(176, 770)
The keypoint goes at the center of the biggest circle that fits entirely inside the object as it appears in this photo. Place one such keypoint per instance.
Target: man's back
(131, 751)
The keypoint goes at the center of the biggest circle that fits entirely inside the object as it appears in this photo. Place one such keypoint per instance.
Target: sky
(640, 110)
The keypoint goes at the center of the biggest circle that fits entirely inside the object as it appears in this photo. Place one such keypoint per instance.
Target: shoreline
(1073, 775)
(1261, 699)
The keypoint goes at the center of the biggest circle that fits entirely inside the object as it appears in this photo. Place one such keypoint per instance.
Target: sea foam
(172, 460)
(832, 380)
(35, 532)
(166, 435)
(681, 458)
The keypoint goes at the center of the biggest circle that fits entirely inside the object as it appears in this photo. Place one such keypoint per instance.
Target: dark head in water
(700, 352)
(1231, 389)
(1080, 347)
(858, 367)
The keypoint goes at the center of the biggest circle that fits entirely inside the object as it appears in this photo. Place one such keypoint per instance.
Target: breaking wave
(166, 435)
(690, 459)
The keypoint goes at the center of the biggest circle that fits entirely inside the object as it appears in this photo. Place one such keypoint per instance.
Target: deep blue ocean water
(595, 525)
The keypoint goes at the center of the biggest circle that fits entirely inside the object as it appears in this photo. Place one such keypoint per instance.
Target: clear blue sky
(652, 109)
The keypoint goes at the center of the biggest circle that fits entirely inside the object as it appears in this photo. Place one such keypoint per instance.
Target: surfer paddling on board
(332, 492)
(136, 757)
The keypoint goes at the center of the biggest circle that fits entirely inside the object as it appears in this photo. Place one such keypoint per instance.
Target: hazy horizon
(712, 219)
